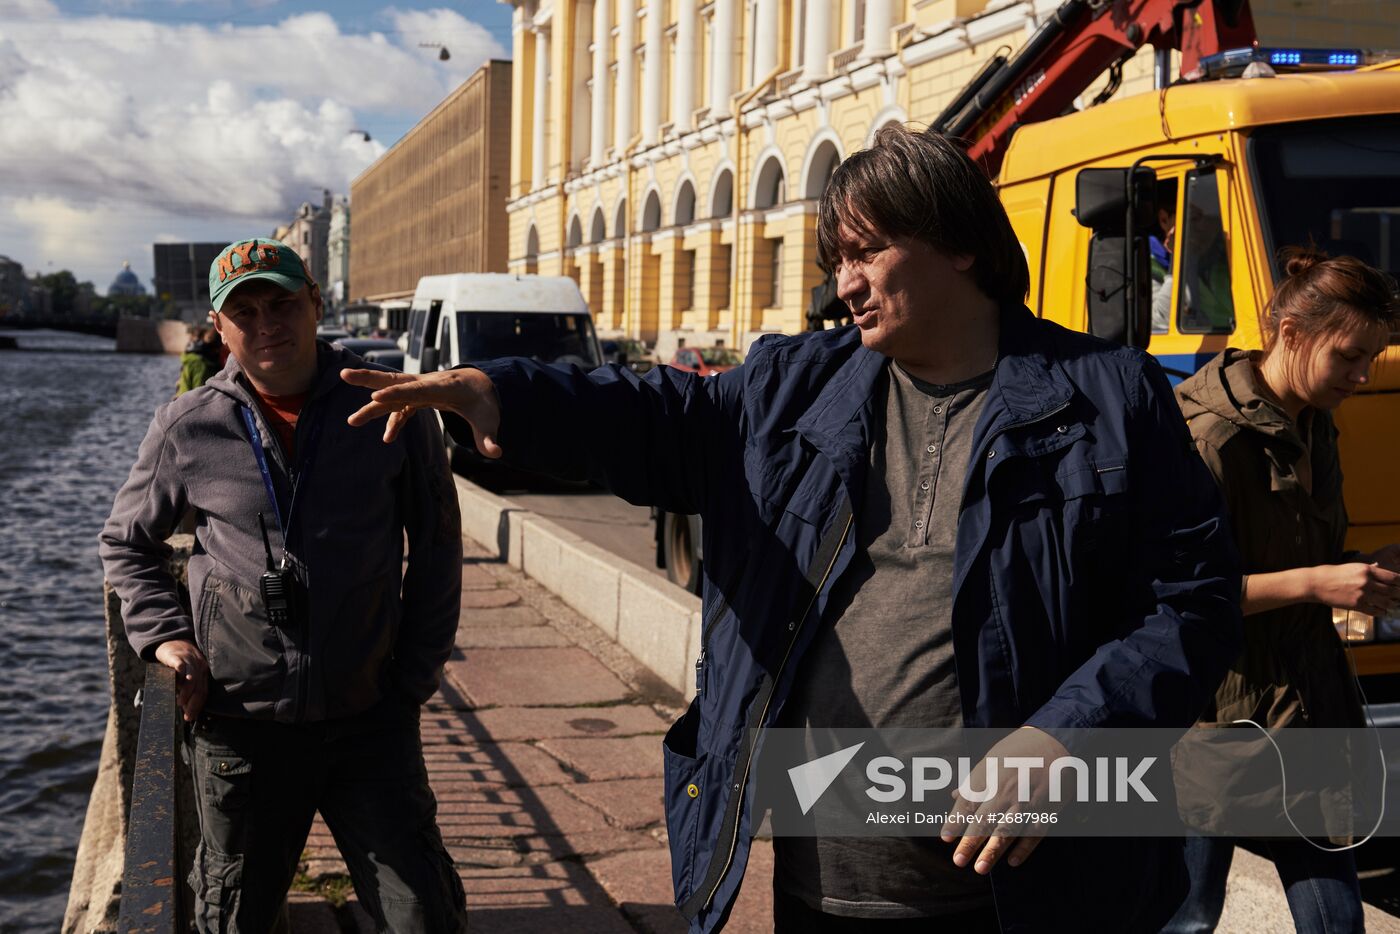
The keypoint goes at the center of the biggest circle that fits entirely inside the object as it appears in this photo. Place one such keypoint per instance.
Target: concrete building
(182, 276)
(435, 202)
(308, 233)
(670, 154)
(338, 253)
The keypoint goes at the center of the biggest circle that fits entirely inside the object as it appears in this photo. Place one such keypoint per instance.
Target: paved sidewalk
(544, 750)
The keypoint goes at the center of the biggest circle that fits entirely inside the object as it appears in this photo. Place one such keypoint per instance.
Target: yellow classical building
(670, 154)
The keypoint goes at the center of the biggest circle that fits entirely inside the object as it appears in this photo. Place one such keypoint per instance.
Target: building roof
(126, 283)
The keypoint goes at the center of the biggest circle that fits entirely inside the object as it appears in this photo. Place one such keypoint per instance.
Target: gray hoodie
(372, 629)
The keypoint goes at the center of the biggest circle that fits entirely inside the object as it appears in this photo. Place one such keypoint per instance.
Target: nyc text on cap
(255, 259)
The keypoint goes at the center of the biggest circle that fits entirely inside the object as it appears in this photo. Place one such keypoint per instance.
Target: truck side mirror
(1119, 206)
(428, 363)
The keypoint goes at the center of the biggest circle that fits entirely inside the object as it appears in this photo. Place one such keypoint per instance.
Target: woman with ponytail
(1262, 422)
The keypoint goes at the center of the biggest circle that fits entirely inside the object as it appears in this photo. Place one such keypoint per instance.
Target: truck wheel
(680, 538)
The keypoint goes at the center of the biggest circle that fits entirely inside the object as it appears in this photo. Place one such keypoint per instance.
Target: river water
(72, 412)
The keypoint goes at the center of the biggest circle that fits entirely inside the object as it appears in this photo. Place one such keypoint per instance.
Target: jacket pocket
(683, 767)
(217, 880)
(226, 777)
(245, 652)
(355, 654)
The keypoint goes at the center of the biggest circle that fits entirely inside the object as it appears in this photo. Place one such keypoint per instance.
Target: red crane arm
(1082, 40)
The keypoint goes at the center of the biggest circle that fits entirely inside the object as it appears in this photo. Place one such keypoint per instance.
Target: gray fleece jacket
(372, 628)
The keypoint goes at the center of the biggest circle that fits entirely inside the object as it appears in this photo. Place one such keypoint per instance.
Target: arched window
(651, 213)
(820, 169)
(772, 186)
(620, 221)
(532, 251)
(575, 233)
(597, 233)
(685, 205)
(722, 195)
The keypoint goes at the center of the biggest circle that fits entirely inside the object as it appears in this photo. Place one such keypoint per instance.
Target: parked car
(363, 345)
(707, 361)
(392, 357)
(624, 351)
(475, 317)
(331, 333)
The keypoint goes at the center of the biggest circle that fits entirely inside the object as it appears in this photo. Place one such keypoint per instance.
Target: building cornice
(533, 198)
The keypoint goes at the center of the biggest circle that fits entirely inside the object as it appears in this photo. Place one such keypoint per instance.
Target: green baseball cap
(247, 260)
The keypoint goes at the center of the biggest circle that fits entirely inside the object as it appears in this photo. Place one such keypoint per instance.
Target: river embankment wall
(653, 619)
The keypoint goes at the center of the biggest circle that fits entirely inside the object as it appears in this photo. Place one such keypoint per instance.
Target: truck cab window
(430, 332)
(1162, 244)
(1204, 301)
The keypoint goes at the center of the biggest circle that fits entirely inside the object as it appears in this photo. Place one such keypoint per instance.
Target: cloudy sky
(129, 122)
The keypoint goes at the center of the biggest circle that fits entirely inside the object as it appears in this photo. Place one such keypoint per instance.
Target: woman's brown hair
(1326, 295)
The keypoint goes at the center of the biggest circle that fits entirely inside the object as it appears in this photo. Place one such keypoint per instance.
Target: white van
(473, 317)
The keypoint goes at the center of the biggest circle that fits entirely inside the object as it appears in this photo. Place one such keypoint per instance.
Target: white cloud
(27, 9)
(166, 127)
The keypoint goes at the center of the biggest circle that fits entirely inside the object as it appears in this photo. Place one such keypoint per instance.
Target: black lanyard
(255, 442)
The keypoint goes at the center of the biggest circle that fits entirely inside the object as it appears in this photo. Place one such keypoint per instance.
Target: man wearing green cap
(311, 645)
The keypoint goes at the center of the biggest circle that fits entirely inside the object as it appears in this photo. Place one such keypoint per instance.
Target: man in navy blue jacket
(952, 513)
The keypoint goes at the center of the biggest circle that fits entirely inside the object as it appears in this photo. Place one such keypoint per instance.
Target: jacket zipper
(304, 660)
(303, 675)
(708, 626)
(744, 780)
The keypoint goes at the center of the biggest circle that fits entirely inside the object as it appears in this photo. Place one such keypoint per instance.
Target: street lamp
(443, 54)
(363, 134)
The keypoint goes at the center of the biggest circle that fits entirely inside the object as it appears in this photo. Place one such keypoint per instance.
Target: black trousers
(259, 784)
(791, 915)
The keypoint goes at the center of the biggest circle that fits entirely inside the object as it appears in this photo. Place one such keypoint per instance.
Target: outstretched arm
(660, 440)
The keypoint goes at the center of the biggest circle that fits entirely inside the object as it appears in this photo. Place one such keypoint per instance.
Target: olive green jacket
(1294, 671)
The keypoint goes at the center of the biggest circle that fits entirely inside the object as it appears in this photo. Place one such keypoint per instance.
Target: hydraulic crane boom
(1080, 41)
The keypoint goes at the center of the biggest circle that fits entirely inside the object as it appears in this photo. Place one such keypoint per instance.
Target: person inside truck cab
(1162, 247)
(1262, 422)
(951, 476)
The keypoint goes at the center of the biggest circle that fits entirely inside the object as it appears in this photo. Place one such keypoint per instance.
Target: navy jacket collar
(1028, 385)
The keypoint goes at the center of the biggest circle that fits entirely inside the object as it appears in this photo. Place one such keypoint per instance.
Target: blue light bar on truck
(1230, 63)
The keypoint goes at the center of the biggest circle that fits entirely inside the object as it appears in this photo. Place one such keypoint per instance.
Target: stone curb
(655, 621)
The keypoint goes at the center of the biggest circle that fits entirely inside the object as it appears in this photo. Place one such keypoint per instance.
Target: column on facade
(590, 277)
(683, 68)
(765, 50)
(879, 20)
(670, 276)
(626, 39)
(601, 40)
(651, 71)
(722, 58)
(614, 284)
(538, 131)
(817, 40)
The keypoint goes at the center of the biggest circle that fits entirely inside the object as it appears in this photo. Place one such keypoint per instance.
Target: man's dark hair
(922, 185)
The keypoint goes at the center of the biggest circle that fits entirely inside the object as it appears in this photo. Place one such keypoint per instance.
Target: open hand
(1367, 588)
(465, 392)
(191, 675)
(1021, 789)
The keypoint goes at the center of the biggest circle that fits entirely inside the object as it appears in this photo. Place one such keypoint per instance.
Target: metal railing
(151, 887)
